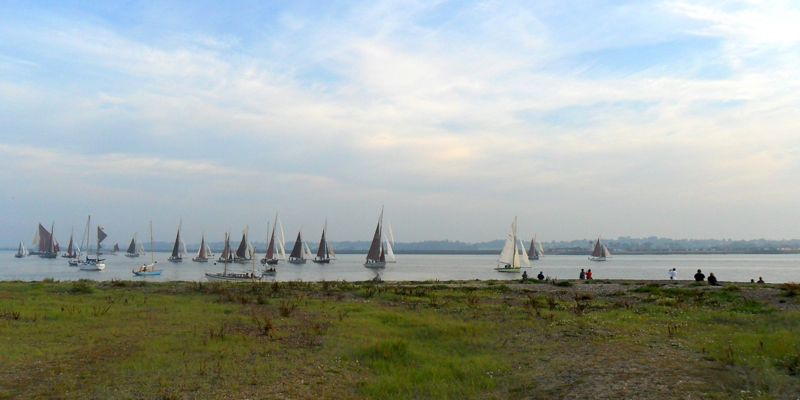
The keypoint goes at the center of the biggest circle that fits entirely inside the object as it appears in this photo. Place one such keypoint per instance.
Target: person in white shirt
(673, 274)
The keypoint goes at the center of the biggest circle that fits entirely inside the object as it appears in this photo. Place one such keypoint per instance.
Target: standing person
(673, 274)
(699, 276)
(712, 280)
(582, 275)
(589, 274)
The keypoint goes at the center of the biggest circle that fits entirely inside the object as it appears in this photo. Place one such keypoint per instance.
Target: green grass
(125, 339)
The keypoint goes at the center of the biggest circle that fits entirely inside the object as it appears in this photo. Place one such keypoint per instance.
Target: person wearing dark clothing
(524, 276)
(712, 280)
(540, 276)
(760, 280)
(582, 275)
(699, 276)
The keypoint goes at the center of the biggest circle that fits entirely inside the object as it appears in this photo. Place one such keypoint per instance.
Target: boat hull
(147, 273)
(175, 259)
(19, 255)
(376, 265)
(200, 260)
(93, 267)
(265, 261)
(322, 261)
(131, 255)
(219, 277)
(48, 255)
(597, 259)
(508, 270)
(297, 261)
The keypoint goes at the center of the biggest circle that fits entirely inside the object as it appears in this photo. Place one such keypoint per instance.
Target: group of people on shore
(673, 275)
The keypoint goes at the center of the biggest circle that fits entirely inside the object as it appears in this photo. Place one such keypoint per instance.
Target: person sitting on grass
(582, 275)
(524, 276)
(673, 274)
(712, 280)
(540, 276)
(760, 280)
(589, 274)
(699, 276)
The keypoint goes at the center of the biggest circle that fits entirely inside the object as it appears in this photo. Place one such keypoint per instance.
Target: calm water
(738, 267)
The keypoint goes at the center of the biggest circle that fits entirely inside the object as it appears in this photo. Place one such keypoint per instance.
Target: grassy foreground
(399, 340)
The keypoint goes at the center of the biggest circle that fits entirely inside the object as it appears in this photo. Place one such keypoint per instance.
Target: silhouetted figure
(712, 280)
(524, 276)
(540, 276)
(699, 276)
(589, 274)
(761, 280)
(582, 275)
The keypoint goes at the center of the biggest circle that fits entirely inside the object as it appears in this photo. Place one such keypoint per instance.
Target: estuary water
(417, 267)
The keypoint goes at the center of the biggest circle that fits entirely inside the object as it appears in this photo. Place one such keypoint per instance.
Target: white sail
(389, 252)
(282, 243)
(510, 256)
(307, 251)
(208, 252)
(390, 235)
(524, 262)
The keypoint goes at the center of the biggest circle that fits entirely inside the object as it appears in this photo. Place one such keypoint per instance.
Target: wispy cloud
(465, 107)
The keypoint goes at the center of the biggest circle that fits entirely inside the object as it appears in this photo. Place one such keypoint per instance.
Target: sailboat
(276, 250)
(101, 235)
(225, 275)
(94, 264)
(48, 248)
(115, 250)
(21, 251)
(72, 250)
(300, 252)
(600, 251)
(513, 257)
(535, 250)
(376, 256)
(204, 252)
(134, 248)
(178, 248)
(245, 251)
(149, 269)
(323, 251)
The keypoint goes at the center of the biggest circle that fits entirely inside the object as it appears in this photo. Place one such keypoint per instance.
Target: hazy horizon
(648, 118)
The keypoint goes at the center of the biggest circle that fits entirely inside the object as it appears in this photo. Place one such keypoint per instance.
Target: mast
(152, 247)
(228, 250)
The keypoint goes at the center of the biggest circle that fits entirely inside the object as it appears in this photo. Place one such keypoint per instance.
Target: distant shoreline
(554, 252)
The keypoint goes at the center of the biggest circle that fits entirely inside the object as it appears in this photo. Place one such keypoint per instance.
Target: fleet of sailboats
(512, 258)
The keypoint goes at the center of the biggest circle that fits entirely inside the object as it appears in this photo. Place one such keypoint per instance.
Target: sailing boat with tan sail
(376, 257)
(599, 252)
(204, 252)
(178, 248)
(323, 251)
(536, 250)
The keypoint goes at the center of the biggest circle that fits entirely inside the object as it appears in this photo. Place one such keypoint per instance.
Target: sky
(581, 118)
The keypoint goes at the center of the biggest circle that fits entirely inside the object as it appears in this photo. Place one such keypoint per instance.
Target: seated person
(712, 280)
(699, 276)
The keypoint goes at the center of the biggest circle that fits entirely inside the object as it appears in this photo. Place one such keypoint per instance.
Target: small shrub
(82, 286)
(48, 280)
(562, 283)
(791, 289)
(286, 308)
